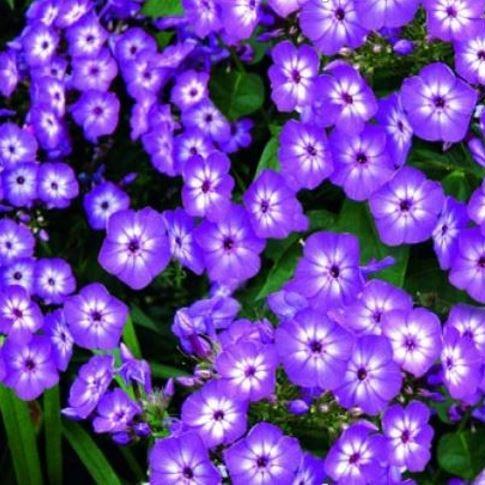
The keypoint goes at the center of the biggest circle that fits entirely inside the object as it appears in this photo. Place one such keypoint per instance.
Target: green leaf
(269, 157)
(130, 339)
(164, 38)
(163, 371)
(89, 454)
(21, 438)
(462, 453)
(457, 185)
(162, 8)
(53, 434)
(356, 219)
(236, 93)
(11, 3)
(139, 317)
(321, 219)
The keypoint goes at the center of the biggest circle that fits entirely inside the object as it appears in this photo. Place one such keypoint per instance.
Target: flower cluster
(333, 340)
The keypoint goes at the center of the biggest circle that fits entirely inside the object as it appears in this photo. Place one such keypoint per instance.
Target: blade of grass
(163, 371)
(130, 338)
(53, 434)
(133, 464)
(90, 455)
(21, 437)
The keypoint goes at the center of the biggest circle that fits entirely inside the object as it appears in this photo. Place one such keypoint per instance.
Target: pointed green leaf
(53, 434)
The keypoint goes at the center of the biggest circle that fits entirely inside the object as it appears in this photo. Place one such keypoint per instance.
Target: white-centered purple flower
(415, 337)
(470, 323)
(56, 329)
(56, 184)
(248, 369)
(94, 73)
(19, 272)
(304, 155)
(95, 318)
(470, 59)
(16, 241)
(203, 16)
(438, 105)
(409, 435)
(218, 417)
(190, 89)
(53, 280)
(265, 455)
(29, 367)
(476, 205)
(136, 248)
(182, 460)
(19, 184)
(313, 350)
(328, 274)
(292, 75)
(372, 378)
(239, 18)
(39, 44)
(407, 208)
(9, 75)
(375, 14)
(86, 37)
(17, 145)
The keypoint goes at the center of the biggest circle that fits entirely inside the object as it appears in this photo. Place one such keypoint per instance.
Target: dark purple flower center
(188, 473)
(119, 416)
(481, 55)
(178, 241)
(17, 275)
(444, 229)
(449, 364)
(54, 186)
(8, 245)
(45, 45)
(264, 206)
(334, 271)
(311, 150)
(218, 415)
(193, 151)
(11, 149)
(250, 371)
(406, 436)
(410, 344)
(90, 39)
(133, 50)
(51, 281)
(252, 4)
(104, 205)
(354, 458)
(228, 243)
(451, 11)
(361, 158)
(405, 205)
(98, 110)
(29, 364)
(439, 101)
(481, 262)
(347, 98)
(361, 374)
(206, 186)
(468, 334)
(340, 14)
(94, 70)
(209, 118)
(316, 346)
(193, 92)
(262, 462)
(376, 316)
(21, 180)
(17, 313)
(96, 316)
(133, 246)
(400, 126)
(296, 76)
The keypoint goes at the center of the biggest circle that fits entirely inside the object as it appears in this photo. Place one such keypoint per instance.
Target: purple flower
(115, 412)
(345, 99)
(231, 249)
(332, 25)
(217, 417)
(134, 370)
(292, 74)
(313, 349)
(190, 143)
(53, 280)
(364, 315)
(239, 18)
(470, 59)
(284, 7)
(468, 264)
(70, 11)
(415, 337)
(375, 14)
(16, 241)
(9, 75)
(328, 274)
(56, 184)
(180, 230)
(49, 128)
(310, 472)
(16, 145)
(355, 458)
(207, 186)
(55, 327)
(190, 89)
(44, 11)
(39, 44)
(240, 331)
(286, 304)
(409, 435)
(29, 367)
(136, 248)
(476, 205)
(102, 202)
(131, 42)
(183, 460)
(407, 208)
(452, 221)
(240, 136)
(20, 317)
(86, 37)
(158, 143)
(51, 92)
(304, 155)
(203, 16)
(20, 184)
(403, 47)
(461, 363)
(273, 208)
(97, 113)
(265, 455)
(94, 73)
(399, 132)
(372, 379)
(470, 323)
(439, 105)
(248, 369)
(477, 151)
(95, 318)
(362, 162)
(451, 21)
(19, 272)
(92, 381)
